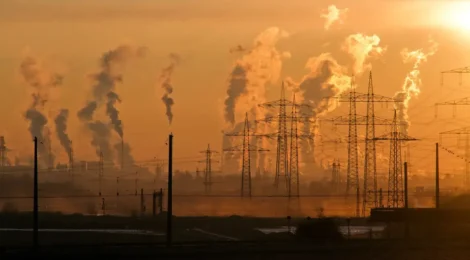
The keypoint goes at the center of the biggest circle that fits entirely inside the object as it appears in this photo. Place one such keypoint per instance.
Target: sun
(456, 15)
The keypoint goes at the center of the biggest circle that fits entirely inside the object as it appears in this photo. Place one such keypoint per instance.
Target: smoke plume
(362, 47)
(112, 64)
(333, 15)
(61, 131)
(236, 88)
(124, 153)
(412, 83)
(261, 64)
(165, 78)
(113, 113)
(41, 82)
(326, 79)
(100, 139)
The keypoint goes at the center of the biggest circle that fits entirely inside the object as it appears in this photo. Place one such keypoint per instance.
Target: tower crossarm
(364, 97)
(241, 133)
(458, 102)
(300, 119)
(239, 148)
(458, 70)
(283, 102)
(463, 131)
(360, 120)
(399, 136)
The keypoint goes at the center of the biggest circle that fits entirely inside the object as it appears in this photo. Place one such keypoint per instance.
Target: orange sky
(72, 36)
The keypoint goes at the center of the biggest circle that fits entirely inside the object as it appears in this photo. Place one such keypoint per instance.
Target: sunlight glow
(456, 15)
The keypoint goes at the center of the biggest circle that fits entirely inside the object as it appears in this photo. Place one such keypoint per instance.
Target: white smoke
(333, 15)
(412, 83)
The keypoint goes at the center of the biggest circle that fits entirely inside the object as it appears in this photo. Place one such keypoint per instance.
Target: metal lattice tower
(283, 168)
(335, 175)
(395, 173)
(208, 171)
(352, 177)
(246, 149)
(294, 182)
(100, 172)
(281, 153)
(370, 187)
(395, 179)
(462, 131)
(370, 161)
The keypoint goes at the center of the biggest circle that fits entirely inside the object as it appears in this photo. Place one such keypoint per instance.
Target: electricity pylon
(462, 131)
(370, 188)
(246, 149)
(335, 175)
(395, 174)
(208, 171)
(459, 71)
(292, 162)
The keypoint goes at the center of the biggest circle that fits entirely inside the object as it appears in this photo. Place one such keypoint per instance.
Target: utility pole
(437, 175)
(36, 198)
(169, 223)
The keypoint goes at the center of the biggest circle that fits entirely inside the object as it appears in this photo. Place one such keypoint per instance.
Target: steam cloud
(104, 91)
(41, 82)
(61, 131)
(362, 47)
(259, 65)
(412, 83)
(165, 78)
(333, 15)
(326, 79)
(250, 74)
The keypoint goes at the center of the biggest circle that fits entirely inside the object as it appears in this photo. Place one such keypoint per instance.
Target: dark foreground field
(112, 237)
(364, 250)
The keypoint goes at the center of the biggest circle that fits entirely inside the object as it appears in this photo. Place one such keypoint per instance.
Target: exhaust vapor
(112, 64)
(412, 83)
(61, 131)
(41, 82)
(259, 65)
(362, 47)
(165, 78)
(333, 15)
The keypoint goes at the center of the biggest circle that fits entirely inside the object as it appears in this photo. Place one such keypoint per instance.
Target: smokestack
(122, 153)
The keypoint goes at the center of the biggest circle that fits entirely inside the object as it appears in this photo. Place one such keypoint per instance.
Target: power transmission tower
(459, 71)
(462, 131)
(370, 188)
(395, 174)
(246, 149)
(335, 175)
(282, 166)
(208, 170)
(294, 156)
(100, 171)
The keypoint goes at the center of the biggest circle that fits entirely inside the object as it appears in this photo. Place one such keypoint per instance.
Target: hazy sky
(70, 36)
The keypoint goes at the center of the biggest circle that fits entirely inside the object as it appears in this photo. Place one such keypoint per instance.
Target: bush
(319, 230)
